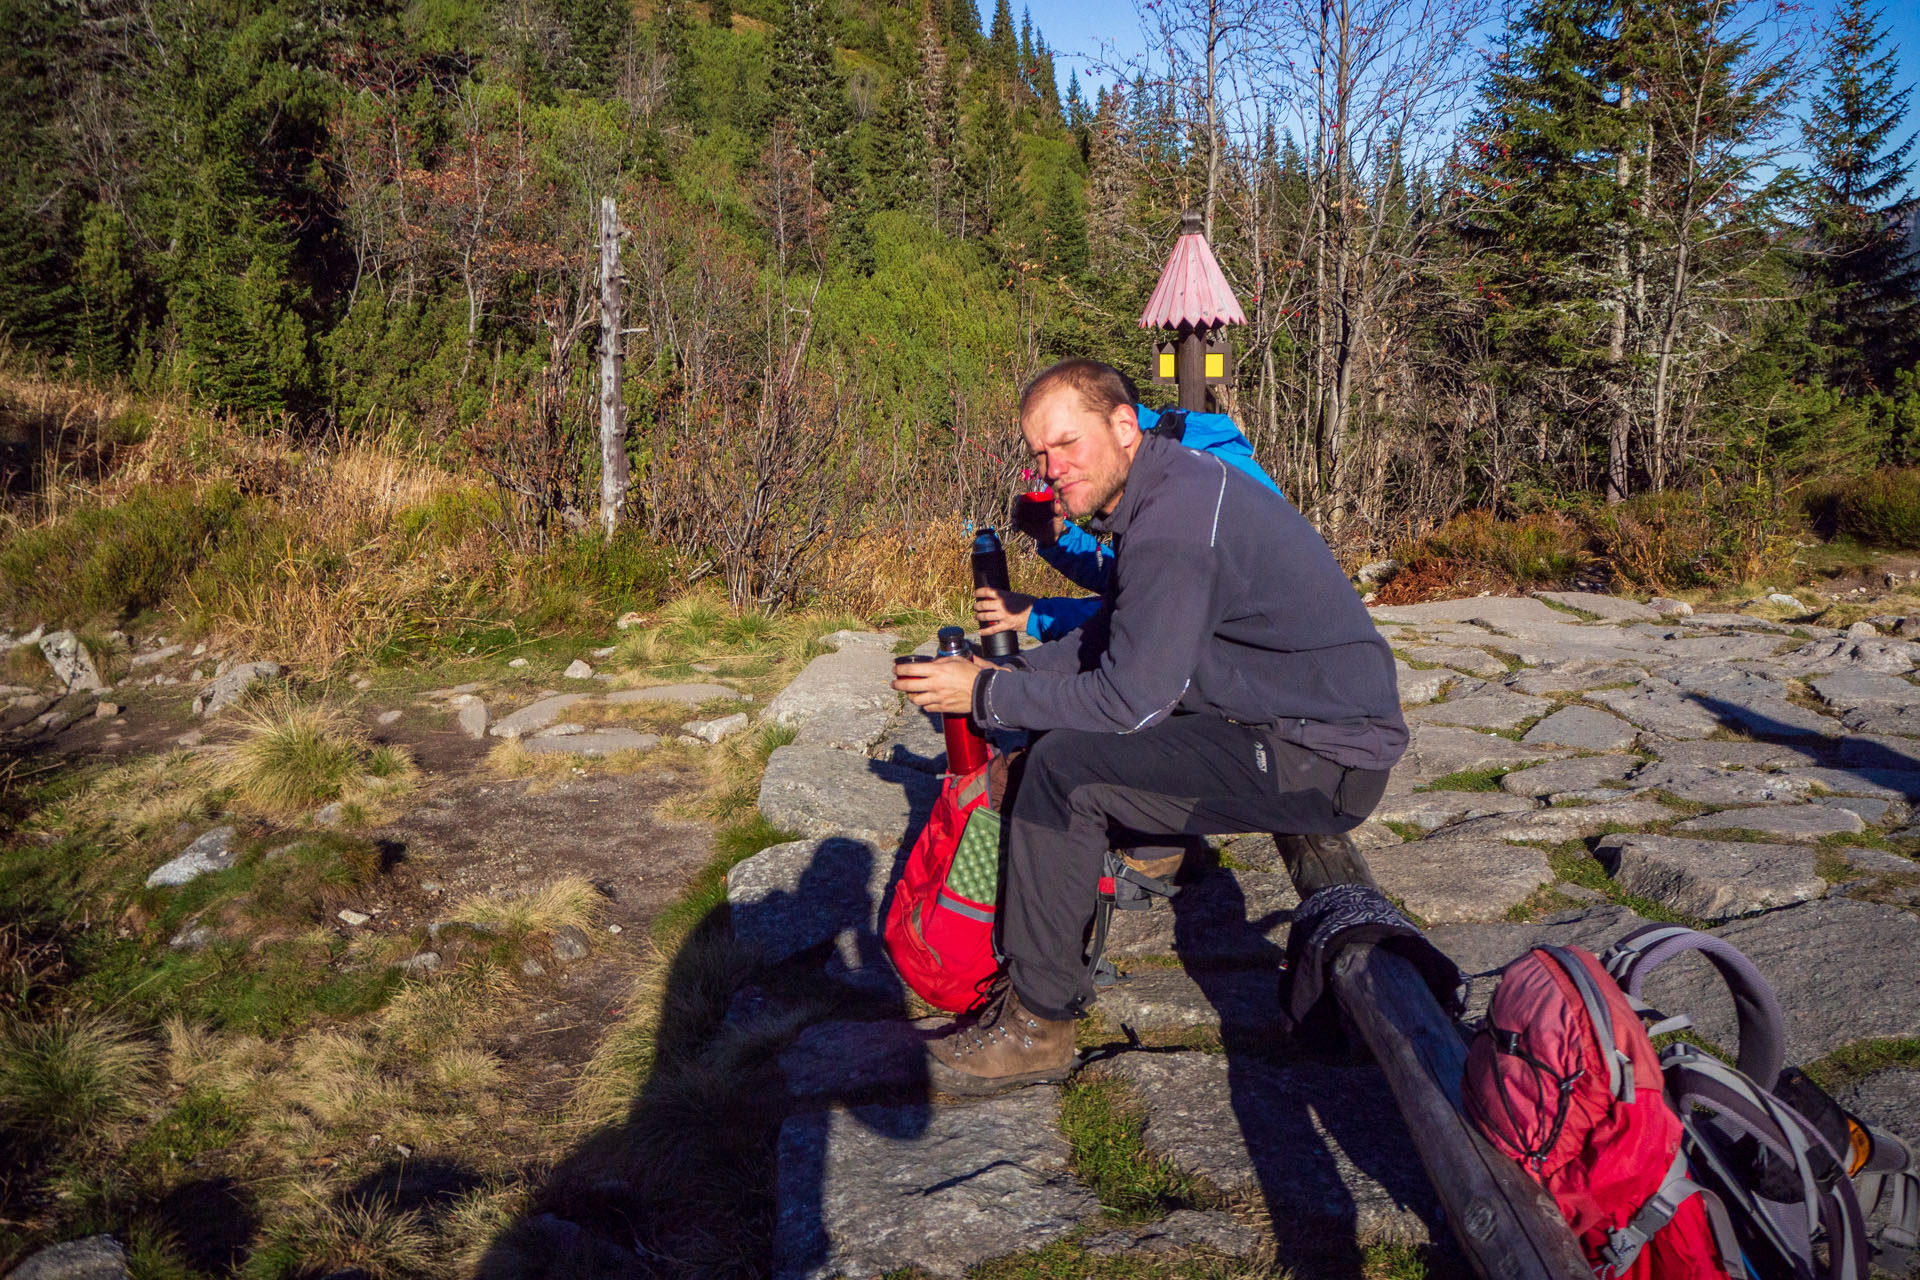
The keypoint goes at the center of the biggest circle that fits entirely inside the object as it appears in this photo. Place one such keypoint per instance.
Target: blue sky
(1076, 28)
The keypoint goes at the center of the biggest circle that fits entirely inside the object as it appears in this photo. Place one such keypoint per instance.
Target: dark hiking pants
(1188, 775)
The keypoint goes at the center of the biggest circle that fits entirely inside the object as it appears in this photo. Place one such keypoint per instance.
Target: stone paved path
(1752, 777)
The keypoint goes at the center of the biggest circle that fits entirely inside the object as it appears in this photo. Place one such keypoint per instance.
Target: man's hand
(1038, 520)
(997, 610)
(945, 686)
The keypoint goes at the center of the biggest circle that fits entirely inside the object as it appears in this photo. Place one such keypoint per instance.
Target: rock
(330, 815)
(472, 718)
(232, 684)
(820, 791)
(1582, 728)
(629, 620)
(1558, 776)
(516, 662)
(1873, 812)
(577, 670)
(1739, 755)
(1488, 709)
(90, 1258)
(212, 851)
(532, 968)
(534, 716)
(1908, 628)
(856, 677)
(1721, 786)
(1444, 881)
(154, 655)
(1574, 677)
(72, 665)
(1318, 1144)
(1843, 971)
(1475, 662)
(1430, 809)
(198, 706)
(1606, 608)
(869, 1190)
(1659, 707)
(569, 944)
(1749, 702)
(348, 916)
(363, 684)
(1235, 1004)
(1890, 657)
(1559, 822)
(686, 695)
(1376, 572)
(1484, 948)
(599, 742)
(859, 1060)
(388, 717)
(1802, 822)
(193, 938)
(1868, 751)
(1781, 600)
(1417, 686)
(1668, 607)
(563, 730)
(793, 896)
(425, 962)
(1889, 1099)
(1884, 784)
(1437, 750)
(717, 730)
(1710, 879)
(1237, 918)
(1863, 631)
(1494, 611)
(106, 710)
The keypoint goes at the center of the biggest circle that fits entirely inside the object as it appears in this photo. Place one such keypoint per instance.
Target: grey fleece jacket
(1222, 600)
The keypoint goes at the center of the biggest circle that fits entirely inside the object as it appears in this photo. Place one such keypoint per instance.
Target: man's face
(1084, 454)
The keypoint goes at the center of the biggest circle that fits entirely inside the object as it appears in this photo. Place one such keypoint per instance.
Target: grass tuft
(1103, 1123)
(293, 755)
(65, 1078)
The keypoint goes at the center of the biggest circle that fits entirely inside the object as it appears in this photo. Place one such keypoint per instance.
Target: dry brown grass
(544, 910)
(291, 755)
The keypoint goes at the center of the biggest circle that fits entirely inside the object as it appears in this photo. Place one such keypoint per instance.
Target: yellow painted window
(1216, 364)
(1166, 364)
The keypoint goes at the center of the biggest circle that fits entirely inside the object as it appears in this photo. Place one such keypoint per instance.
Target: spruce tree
(963, 22)
(1064, 235)
(1076, 105)
(807, 92)
(1862, 210)
(1003, 45)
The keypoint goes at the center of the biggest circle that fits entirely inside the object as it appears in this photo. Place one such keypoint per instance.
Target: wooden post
(1189, 369)
(1508, 1226)
(613, 424)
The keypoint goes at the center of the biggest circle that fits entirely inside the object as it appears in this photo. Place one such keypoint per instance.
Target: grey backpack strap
(1763, 1042)
(1624, 1243)
(1619, 1064)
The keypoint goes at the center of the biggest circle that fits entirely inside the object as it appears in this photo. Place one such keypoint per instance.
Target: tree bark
(613, 418)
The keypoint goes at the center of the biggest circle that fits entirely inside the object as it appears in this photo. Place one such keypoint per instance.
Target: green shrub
(112, 562)
(1881, 508)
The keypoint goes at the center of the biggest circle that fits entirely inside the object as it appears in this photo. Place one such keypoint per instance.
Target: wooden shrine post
(1508, 1226)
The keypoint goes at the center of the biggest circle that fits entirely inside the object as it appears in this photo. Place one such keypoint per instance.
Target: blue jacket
(1084, 560)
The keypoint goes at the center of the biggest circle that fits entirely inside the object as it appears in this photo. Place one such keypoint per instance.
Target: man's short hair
(1102, 388)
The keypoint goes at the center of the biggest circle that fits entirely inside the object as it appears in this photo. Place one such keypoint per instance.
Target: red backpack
(1564, 1080)
(940, 926)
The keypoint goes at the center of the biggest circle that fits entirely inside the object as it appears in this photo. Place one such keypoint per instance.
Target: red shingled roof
(1192, 289)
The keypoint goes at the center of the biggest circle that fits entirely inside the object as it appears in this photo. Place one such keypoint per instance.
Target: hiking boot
(1005, 1048)
(1314, 862)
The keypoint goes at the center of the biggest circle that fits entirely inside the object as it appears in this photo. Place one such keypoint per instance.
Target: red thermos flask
(966, 746)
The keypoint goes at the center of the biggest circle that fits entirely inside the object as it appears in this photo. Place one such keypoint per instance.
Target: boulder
(1806, 823)
(793, 896)
(1819, 657)
(1710, 879)
(472, 717)
(1583, 729)
(857, 676)
(232, 684)
(1668, 607)
(1324, 1147)
(72, 665)
(865, 1191)
(533, 717)
(578, 669)
(820, 791)
(717, 730)
(90, 1258)
(569, 944)
(212, 851)
(1848, 690)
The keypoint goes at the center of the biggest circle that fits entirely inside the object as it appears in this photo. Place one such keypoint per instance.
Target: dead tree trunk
(613, 423)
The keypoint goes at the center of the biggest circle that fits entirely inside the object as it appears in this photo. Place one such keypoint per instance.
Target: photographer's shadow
(714, 1167)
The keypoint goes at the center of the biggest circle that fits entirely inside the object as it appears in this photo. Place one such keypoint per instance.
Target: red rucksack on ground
(1564, 1080)
(940, 926)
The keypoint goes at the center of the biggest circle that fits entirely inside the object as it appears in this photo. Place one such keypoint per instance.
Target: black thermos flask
(990, 570)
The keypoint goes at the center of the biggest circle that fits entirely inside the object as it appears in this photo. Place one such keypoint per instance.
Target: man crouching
(1230, 682)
